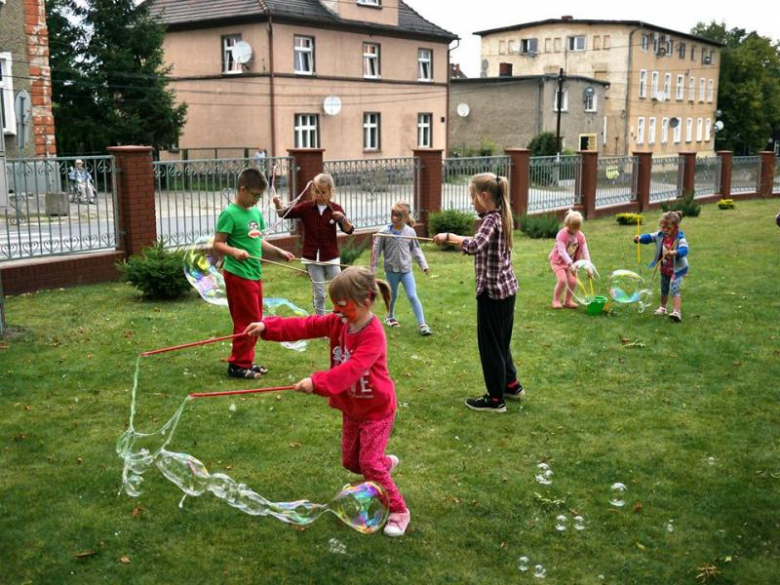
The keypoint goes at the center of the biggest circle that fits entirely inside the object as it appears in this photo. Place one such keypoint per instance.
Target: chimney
(567, 17)
(505, 70)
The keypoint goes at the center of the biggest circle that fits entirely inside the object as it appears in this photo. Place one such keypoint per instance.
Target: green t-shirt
(244, 228)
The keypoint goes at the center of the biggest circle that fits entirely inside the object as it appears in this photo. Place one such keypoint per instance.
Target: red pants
(363, 451)
(245, 301)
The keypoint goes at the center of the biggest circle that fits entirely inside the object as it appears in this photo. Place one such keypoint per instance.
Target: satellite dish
(719, 126)
(332, 105)
(674, 122)
(242, 52)
(463, 110)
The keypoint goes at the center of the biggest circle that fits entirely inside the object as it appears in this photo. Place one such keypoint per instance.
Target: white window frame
(640, 130)
(425, 130)
(307, 131)
(606, 42)
(369, 2)
(604, 132)
(707, 129)
(592, 102)
(699, 129)
(573, 43)
(526, 44)
(710, 90)
(372, 61)
(668, 86)
(372, 127)
(651, 131)
(680, 88)
(7, 93)
(643, 83)
(693, 52)
(654, 77)
(677, 132)
(681, 50)
(644, 44)
(502, 47)
(230, 66)
(664, 130)
(691, 88)
(565, 100)
(303, 54)
(702, 89)
(689, 130)
(424, 65)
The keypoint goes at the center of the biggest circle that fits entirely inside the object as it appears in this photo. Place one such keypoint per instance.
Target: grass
(689, 423)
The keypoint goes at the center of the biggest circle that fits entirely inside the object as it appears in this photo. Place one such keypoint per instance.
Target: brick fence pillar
(587, 185)
(767, 173)
(689, 175)
(135, 197)
(308, 163)
(429, 196)
(726, 162)
(644, 178)
(519, 178)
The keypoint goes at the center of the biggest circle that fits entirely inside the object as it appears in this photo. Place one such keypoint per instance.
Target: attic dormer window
(376, 3)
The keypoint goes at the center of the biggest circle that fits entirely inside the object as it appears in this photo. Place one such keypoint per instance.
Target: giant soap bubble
(627, 287)
(585, 288)
(203, 269)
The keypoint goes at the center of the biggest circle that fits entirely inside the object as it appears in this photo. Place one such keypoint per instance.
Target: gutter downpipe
(627, 119)
(271, 87)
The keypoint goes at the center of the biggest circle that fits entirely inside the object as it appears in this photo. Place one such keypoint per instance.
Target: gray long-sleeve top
(398, 251)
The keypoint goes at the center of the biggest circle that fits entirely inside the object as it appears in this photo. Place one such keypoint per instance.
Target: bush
(451, 221)
(629, 218)
(726, 204)
(543, 144)
(687, 206)
(539, 226)
(156, 272)
(352, 251)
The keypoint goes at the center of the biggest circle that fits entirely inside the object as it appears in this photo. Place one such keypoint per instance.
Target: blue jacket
(680, 244)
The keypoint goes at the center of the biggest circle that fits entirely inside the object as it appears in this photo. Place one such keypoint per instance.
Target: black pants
(495, 319)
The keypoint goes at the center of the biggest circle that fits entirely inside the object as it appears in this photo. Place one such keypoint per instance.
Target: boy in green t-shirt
(239, 238)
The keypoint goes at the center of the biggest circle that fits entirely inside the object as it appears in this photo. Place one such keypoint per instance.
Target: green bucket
(596, 306)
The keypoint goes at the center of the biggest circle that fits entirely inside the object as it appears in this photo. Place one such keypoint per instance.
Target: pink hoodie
(568, 249)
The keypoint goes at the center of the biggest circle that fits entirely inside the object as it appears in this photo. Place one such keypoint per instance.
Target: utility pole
(559, 98)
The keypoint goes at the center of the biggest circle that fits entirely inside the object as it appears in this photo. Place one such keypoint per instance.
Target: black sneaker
(514, 392)
(486, 403)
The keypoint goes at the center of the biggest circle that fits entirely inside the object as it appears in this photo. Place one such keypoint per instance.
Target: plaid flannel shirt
(493, 260)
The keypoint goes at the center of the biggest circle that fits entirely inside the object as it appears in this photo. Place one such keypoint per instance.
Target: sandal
(245, 373)
(262, 370)
(391, 322)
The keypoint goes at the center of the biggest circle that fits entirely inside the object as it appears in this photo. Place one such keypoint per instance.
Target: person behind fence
(83, 182)
(239, 237)
(358, 382)
(671, 251)
(399, 252)
(319, 218)
(570, 246)
(496, 289)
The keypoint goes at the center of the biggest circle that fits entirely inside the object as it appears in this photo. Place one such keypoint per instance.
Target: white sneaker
(660, 311)
(675, 316)
(397, 523)
(394, 461)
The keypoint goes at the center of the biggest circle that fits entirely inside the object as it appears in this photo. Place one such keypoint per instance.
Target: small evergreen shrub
(539, 226)
(544, 144)
(156, 272)
(687, 206)
(726, 204)
(451, 221)
(629, 218)
(352, 251)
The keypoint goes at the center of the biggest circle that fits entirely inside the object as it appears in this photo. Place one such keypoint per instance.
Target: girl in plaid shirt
(496, 289)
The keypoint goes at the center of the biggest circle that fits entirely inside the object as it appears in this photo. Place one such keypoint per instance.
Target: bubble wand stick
(233, 392)
(638, 253)
(193, 344)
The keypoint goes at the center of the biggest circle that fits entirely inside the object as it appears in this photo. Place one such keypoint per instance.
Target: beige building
(663, 84)
(359, 78)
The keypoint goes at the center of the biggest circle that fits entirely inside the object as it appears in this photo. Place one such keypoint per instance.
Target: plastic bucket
(596, 306)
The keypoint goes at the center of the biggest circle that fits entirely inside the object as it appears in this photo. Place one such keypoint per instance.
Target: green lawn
(689, 422)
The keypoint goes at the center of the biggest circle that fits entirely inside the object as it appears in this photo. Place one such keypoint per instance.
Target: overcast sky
(464, 17)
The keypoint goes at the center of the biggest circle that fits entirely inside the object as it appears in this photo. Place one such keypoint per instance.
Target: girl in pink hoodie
(358, 382)
(570, 246)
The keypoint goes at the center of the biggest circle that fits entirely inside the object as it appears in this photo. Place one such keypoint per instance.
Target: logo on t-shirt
(254, 231)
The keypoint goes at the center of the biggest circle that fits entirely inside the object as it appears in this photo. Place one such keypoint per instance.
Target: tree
(749, 87)
(111, 88)
(544, 144)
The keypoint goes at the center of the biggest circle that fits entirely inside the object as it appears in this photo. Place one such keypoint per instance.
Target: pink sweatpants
(363, 445)
(562, 275)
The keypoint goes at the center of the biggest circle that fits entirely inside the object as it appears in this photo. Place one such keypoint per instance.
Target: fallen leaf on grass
(20, 437)
(128, 333)
(79, 460)
(638, 507)
(137, 511)
(28, 407)
(737, 363)
(295, 445)
(85, 554)
(4, 346)
(640, 546)
(124, 559)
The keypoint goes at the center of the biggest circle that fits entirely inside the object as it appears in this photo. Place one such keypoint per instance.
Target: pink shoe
(394, 461)
(570, 305)
(397, 523)
(557, 305)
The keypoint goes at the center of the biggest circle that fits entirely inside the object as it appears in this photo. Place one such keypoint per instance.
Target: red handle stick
(193, 344)
(232, 392)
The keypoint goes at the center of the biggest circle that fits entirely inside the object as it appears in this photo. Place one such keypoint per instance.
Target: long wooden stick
(234, 392)
(266, 261)
(193, 344)
(378, 235)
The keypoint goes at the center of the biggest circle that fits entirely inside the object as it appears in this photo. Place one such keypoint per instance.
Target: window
(304, 55)
(307, 131)
(229, 63)
(371, 60)
(370, 2)
(596, 42)
(678, 131)
(691, 88)
(664, 130)
(681, 50)
(547, 45)
(680, 87)
(651, 131)
(643, 83)
(689, 130)
(668, 86)
(591, 101)
(668, 47)
(557, 44)
(654, 85)
(371, 125)
(7, 94)
(575, 43)
(693, 53)
(640, 131)
(607, 43)
(512, 47)
(604, 132)
(645, 43)
(424, 130)
(529, 46)
(710, 90)
(501, 48)
(702, 86)
(699, 129)
(425, 65)
(707, 129)
(564, 97)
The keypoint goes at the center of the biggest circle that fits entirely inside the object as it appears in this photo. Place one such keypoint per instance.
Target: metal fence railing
(457, 173)
(54, 208)
(554, 183)
(190, 194)
(707, 178)
(214, 153)
(616, 180)
(745, 174)
(666, 178)
(368, 188)
(776, 182)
